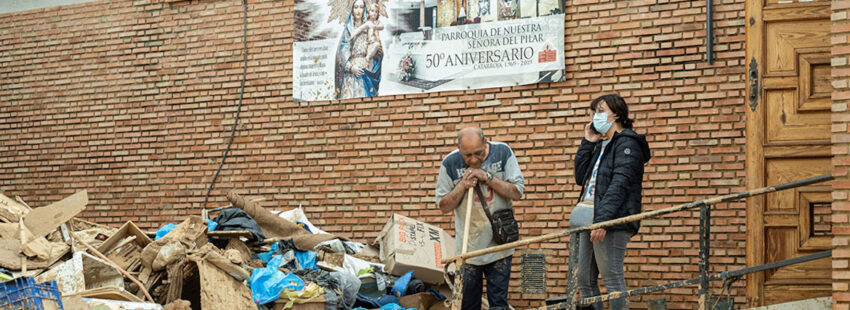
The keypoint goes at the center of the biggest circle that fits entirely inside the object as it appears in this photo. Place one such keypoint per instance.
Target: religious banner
(364, 48)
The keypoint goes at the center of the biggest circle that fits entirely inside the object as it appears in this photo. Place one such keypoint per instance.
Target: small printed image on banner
(364, 48)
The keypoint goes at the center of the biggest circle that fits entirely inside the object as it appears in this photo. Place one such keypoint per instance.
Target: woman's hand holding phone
(590, 133)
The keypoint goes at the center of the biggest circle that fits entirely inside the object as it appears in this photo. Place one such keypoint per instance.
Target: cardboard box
(407, 244)
(418, 301)
(316, 304)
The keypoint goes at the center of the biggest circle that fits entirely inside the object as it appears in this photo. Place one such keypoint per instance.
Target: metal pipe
(704, 254)
(644, 215)
(709, 32)
(714, 277)
(572, 273)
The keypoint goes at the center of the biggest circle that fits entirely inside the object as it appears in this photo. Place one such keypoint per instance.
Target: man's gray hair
(478, 130)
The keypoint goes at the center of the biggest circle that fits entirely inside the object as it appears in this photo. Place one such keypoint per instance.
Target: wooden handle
(466, 221)
(23, 242)
(458, 287)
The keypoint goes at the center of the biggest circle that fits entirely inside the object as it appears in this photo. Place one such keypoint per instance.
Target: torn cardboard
(159, 255)
(213, 289)
(10, 210)
(418, 301)
(106, 304)
(93, 236)
(191, 233)
(42, 221)
(244, 253)
(314, 304)
(38, 248)
(10, 257)
(107, 292)
(178, 305)
(212, 255)
(407, 244)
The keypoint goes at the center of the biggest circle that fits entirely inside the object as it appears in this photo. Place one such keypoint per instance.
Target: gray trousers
(606, 258)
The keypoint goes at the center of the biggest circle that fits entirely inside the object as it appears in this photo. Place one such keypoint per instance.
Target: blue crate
(25, 294)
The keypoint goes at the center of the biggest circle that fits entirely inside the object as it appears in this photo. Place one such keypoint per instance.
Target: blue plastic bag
(306, 259)
(304, 225)
(292, 282)
(267, 283)
(211, 225)
(392, 306)
(164, 230)
(266, 256)
(400, 286)
(376, 302)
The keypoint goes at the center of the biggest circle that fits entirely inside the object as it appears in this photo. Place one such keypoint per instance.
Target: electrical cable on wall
(241, 93)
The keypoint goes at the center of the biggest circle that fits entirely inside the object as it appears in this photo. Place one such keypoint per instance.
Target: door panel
(788, 134)
(789, 229)
(785, 39)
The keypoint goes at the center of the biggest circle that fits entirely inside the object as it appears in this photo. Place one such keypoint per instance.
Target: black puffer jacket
(618, 181)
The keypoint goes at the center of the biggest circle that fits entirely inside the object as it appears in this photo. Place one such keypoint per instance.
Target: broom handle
(456, 303)
(466, 221)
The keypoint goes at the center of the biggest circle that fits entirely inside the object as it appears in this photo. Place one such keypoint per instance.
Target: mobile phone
(593, 128)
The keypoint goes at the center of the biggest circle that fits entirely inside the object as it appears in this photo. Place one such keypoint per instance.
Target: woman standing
(609, 165)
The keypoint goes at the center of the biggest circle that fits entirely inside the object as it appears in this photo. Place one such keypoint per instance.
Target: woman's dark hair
(617, 105)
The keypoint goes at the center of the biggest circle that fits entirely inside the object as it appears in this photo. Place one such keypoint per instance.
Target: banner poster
(363, 48)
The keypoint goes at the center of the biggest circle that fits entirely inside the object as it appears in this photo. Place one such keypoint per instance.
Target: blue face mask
(601, 123)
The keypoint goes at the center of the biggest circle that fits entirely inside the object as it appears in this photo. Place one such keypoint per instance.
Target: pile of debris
(245, 257)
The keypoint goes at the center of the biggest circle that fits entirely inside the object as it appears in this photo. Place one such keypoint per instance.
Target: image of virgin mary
(356, 74)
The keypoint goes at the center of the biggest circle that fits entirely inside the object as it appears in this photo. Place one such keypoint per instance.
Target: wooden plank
(128, 229)
(779, 82)
(803, 150)
(42, 221)
(813, 272)
(23, 241)
(781, 220)
(754, 27)
(801, 12)
(229, 234)
(791, 292)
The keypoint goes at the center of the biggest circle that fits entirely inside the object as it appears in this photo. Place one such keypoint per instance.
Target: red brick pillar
(841, 151)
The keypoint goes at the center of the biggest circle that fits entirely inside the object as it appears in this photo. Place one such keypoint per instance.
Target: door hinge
(754, 84)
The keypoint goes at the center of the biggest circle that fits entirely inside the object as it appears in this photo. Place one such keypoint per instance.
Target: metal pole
(572, 273)
(644, 215)
(709, 32)
(704, 248)
(677, 284)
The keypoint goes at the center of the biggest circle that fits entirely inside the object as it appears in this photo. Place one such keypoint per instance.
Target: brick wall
(133, 101)
(841, 152)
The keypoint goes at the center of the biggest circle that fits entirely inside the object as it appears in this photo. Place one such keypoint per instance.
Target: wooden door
(788, 138)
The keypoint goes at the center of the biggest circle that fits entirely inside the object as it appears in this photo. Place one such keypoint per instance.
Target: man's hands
(471, 177)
